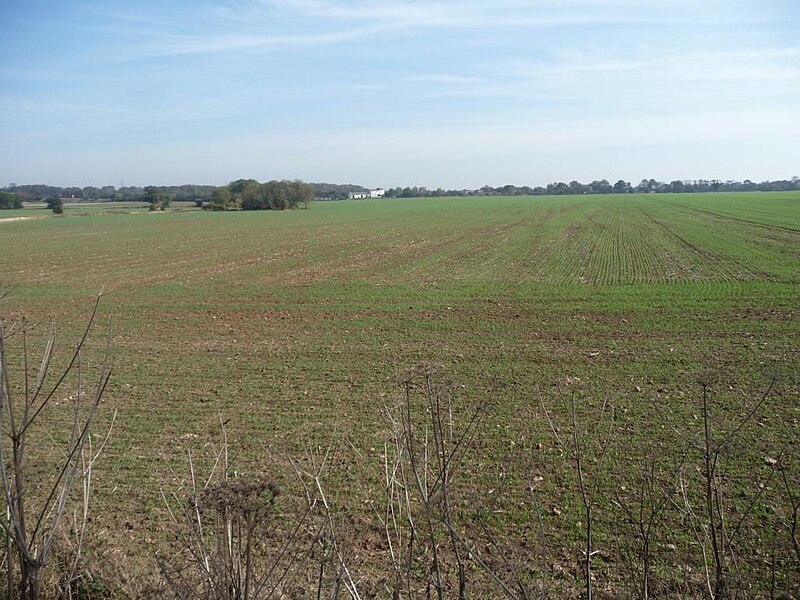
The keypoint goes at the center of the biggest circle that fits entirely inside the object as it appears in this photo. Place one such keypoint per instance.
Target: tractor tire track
(724, 217)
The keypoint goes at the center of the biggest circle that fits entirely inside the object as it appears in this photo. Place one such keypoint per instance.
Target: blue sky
(398, 92)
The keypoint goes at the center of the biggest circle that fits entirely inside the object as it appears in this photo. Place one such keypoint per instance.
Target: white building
(376, 193)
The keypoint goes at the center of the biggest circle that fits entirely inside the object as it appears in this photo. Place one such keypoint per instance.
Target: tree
(601, 187)
(561, 189)
(646, 186)
(251, 195)
(576, 187)
(273, 195)
(151, 196)
(55, 203)
(157, 198)
(300, 194)
(221, 199)
(622, 187)
(677, 186)
(237, 187)
(9, 200)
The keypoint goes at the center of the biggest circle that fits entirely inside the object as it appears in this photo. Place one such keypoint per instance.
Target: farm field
(294, 327)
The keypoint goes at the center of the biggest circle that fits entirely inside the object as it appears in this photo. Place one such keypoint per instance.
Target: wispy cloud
(41, 76)
(248, 24)
(655, 79)
(195, 44)
(447, 79)
(707, 63)
(505, 13)
(51, 107)
(126, 16)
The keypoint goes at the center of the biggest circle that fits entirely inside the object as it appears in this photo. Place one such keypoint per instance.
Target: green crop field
(294, 327)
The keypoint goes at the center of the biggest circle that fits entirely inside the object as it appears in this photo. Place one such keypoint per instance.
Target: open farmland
(293, 326)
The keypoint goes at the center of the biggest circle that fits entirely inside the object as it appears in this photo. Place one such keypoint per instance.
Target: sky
(440, 93)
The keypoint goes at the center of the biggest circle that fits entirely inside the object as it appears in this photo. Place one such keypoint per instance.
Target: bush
(56, 204)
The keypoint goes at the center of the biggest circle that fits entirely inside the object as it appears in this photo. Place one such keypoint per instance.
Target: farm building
(376, 193)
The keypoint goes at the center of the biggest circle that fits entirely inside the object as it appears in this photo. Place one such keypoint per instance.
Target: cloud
(443, 79)
(704, 63)
(503, 13)
(51, 107)
(247, 24)
(226, 42)
(646, 79)
(166, 45)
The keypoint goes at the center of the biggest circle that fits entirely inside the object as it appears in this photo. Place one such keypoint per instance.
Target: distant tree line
(35, 192)
(603, 186)
(249, 194)
(244, 194)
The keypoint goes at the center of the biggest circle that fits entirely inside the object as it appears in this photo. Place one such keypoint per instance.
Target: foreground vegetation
(548, 314)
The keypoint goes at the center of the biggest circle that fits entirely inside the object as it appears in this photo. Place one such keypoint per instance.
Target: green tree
(221, 199)
(601, 187)
(622, 187)
(252, 195)
(576, 187)
(55, 203)
(157, 198)
(274, 195)
(299, 194)
(9, 200)
(559, 189)
(677, 186)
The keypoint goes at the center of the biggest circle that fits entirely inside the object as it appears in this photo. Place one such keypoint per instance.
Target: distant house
(377, 193)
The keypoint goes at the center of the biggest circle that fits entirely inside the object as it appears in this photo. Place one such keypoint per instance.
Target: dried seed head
(708, 377)
(421, 371)
(242, 498)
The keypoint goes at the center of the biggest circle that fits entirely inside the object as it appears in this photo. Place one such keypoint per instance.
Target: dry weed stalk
(790, 516)
(324, 532)
(428, 553)
(575, 447)
(793, 498)
(710, 522)
(226, 543)
(32, 522)
(644, 514)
